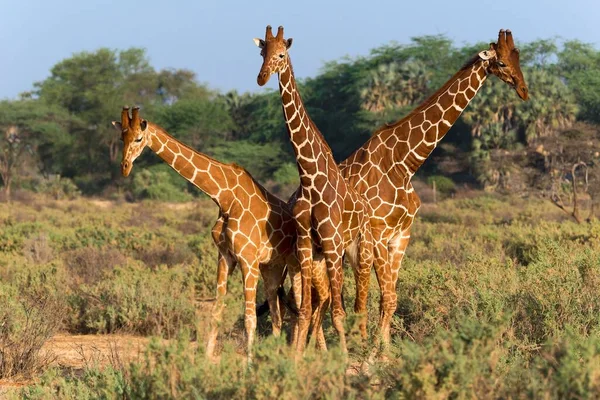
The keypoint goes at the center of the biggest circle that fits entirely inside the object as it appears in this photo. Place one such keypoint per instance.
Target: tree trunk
(7, 182)
(575, 199)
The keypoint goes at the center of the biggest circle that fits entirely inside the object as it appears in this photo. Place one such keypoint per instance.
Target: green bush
(443, 184)
(160, 182)
(58, 188)
(30, 314)
(287, 174)
(132, 300)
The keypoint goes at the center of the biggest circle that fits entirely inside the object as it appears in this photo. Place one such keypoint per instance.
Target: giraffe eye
(139, 140)
(281, 55)
(501, 64)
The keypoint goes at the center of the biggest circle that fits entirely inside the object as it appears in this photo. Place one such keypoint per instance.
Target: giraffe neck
(430, 122)
(417, 134)
(307, 141)
(212, 177)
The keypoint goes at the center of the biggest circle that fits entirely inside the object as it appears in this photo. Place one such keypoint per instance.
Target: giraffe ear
(487, 54)
(288, 43)
(117, 126)
(259, 42)
(143, 124)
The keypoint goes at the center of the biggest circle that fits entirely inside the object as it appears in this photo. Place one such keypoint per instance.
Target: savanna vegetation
(508, 308)
(498, 294)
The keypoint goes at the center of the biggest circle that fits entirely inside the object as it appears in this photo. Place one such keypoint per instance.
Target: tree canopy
(64, 121)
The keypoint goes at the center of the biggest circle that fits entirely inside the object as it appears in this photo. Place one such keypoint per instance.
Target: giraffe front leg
(250, 272)
(224, 268)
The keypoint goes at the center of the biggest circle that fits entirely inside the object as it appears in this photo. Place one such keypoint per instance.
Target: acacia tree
(24, 126)
(572, 169)
(12, 148)
(579, 65)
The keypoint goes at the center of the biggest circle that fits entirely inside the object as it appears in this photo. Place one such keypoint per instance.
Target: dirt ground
(76, 352)
(82, 351)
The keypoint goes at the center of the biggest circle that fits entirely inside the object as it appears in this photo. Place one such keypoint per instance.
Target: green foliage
(64, 121)
(261, 160)
(159, 182)
(29, 126)
(287, 174)
(195, 121)
(578, 63)
(133, 300)
(92, 86)
(443, 184)
(58, 188)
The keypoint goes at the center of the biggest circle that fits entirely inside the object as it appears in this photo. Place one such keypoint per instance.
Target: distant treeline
(61, 128)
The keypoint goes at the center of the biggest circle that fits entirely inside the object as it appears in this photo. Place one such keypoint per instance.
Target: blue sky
(214, 38)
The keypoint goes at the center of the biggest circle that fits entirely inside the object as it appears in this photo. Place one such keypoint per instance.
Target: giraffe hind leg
(250, 271)
(273, 276)
(362, 276)
(224, 267)
(397, 248)
(323, 300)
(333, 259)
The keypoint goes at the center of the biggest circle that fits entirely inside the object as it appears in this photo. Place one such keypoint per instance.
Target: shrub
(28, 318)
(37, 249)
(287, 174)
(160, 182)
(134, 301)
(59, 188)
(443, 184)
(176, 370)
(88, 265)
(165, 254)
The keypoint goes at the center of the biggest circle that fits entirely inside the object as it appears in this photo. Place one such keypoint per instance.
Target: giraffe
(254, 229)
(381, 170)
(325, 208)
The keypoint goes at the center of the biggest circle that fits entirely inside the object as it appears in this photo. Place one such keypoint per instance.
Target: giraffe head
(134, 136)
(274, 52)
(504, 63)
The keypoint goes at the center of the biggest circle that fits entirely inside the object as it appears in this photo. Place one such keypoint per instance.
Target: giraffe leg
(273, 276)
(224, 267)
(304, 243)
(250, 281)
(296, 292)
(397, 248)
(387, 302)
(362, 276)
(321, 287)
(333, 259)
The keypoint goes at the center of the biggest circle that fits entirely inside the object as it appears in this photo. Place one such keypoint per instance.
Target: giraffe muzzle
(522, 91)
(125, 168)
(263, 78)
